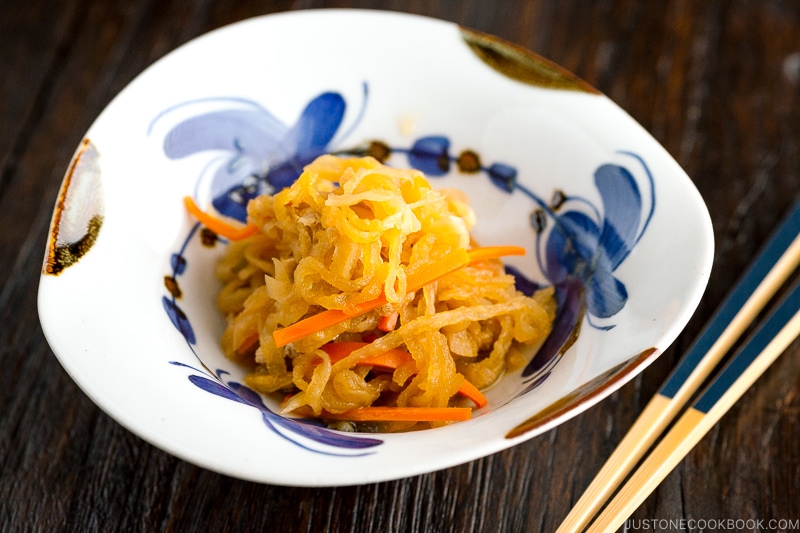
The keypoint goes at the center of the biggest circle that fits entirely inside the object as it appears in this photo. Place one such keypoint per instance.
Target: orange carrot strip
(415, 281)
(493, 252)
(248, 344)
(388, 322)
(325, 319)
(220, 227)
(470, 391)
(405, 414)
(390, 359)
(393, 359)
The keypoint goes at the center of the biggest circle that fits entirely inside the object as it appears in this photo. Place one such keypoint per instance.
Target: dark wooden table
(716, 82)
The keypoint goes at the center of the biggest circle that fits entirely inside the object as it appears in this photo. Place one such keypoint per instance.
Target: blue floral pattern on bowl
(579, 245)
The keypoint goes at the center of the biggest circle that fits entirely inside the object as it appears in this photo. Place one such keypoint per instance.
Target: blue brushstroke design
(286, 428)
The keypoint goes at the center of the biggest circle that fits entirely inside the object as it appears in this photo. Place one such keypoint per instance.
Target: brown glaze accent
(558, 199)
(65, 255)
(62, 256)
(172, 286)
(521, 64)
(585, 393)
(208, 238)
(379, 150)
(469, 162)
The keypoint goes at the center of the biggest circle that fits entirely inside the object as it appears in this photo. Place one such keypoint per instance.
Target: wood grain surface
(716, 82)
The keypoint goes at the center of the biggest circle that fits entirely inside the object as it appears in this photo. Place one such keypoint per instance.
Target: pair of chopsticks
(774, 265)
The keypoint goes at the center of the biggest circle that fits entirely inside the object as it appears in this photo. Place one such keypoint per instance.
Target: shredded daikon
(350, 231)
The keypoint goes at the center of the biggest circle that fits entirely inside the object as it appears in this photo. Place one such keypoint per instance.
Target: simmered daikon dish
(358, 296)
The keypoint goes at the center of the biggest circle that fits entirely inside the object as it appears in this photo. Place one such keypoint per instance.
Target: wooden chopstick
(770, 340)
(770, 270)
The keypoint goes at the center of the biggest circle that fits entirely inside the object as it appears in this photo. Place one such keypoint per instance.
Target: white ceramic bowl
(127, 292)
